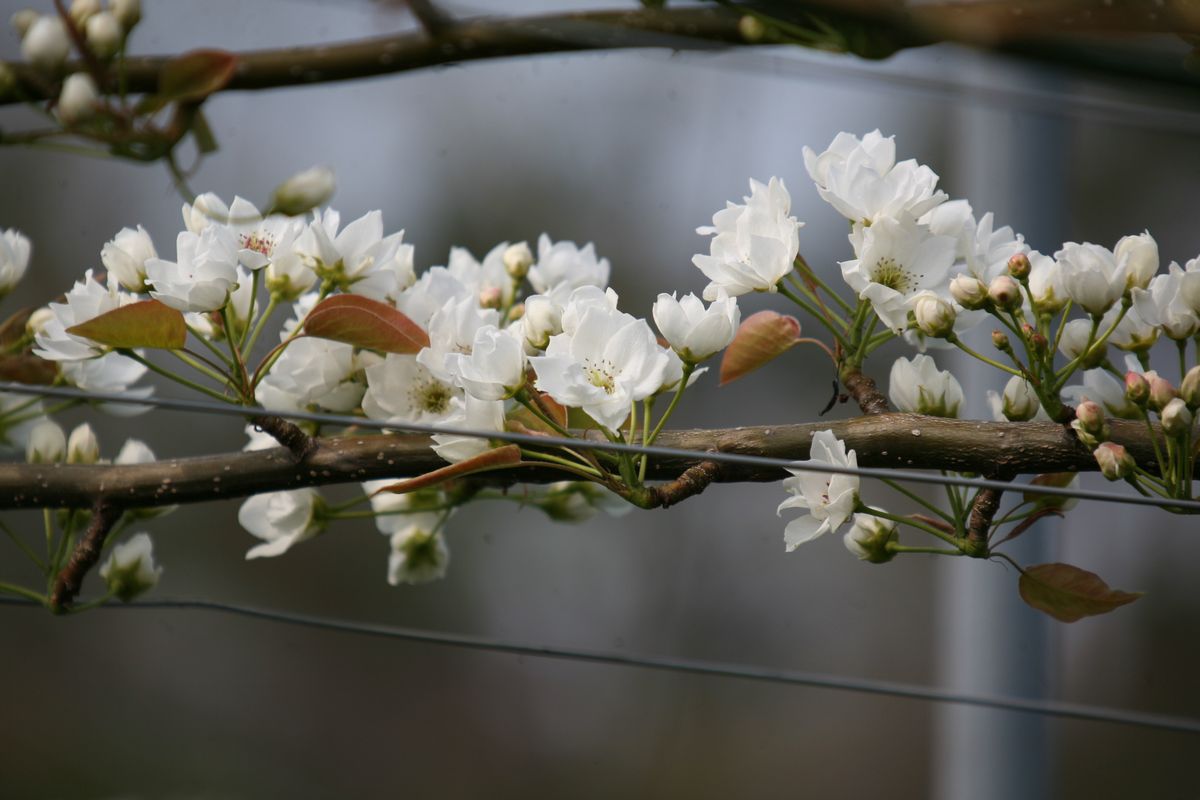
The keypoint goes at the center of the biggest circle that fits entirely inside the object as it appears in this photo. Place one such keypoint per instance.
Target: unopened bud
(1189, 389)
(934, 316)
(38, 320)
(1140, 254)
(47, 443)
(303, 191)
(83, 10)
(490, 297)
(127, 12)
(1175, 417)
(516, 312)
(46, 44)
(968, 291)
(1137, 388)
(104, 34)
(78, 99)
(869, 538)
(1090, 416)
(751, 28)
(1004, 292)
(1000, 341)
(1114, 460)
(82, 446)
(543, 319)
(1019, 266)
(1161, 393)
(1038, 342)
(23, 20)
(1020, 401)
(518, 258)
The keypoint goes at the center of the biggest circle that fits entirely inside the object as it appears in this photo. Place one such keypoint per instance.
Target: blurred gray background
(632, 151)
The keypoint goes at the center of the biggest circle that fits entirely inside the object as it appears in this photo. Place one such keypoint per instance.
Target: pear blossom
(916, 386)
(563, 266)
(82, 445)
(754, 245)
(495, 367)
(1092, 276)
(125, 256)
(541, 320)
(315, 373)
(933, 314)
(452, 330)
(134, 451)
(47, 443)
(86, 300)
(281, 519)
(896, 260)
(1132, 333)
(694, 332)
(304, 190)
(1075, 337)
(1176, 418)
(582, 299)
(207, 209)
(468, 413)
(828, 498)
(358, 258)
(1114, 461)
(861, 179)
(111, 374)
(1140, 254)
(78, 99)
(419, 555)
(517, 258)
(673, 374)
(46, 44)
(434, 289)
(104, 34)
(1163, 304)
(396, 511)
(130, 570)
(869, 537)
(203, 274)
(14, 259)
(1046, 283)
(1018, 403)
(399, 389)
(610, 361)
(480, 277)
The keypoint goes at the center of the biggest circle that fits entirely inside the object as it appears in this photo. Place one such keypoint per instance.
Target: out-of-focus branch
(903, 441)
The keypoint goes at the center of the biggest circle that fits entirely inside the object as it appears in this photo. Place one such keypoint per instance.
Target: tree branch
(66, 586)
(905, 441)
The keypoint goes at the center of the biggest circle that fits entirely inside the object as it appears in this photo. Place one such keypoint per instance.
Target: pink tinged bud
(1000, 340)
(491, 297)
(1114, 460)
(934, 316)
(1161, 393)
(1004, 292)
(968, 291)
(1137, 388)
(1176, 419)
(1091, 417)
(1019, 266)
(1189, 389)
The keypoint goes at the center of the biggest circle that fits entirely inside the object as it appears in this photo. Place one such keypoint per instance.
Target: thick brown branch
(66, 586)
(693, 481)
(983, 510)
(287, 434)
(904, 441)
(862, 390)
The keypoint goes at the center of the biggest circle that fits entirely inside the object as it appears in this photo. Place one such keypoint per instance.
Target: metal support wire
(208, 407)
(670, 664)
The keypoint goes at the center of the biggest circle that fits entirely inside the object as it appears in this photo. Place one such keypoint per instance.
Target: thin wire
(1046, 708)
(204, 406)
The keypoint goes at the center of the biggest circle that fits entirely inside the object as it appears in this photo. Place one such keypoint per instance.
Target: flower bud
(968, 291)
(490, 297)
(46, 44)
(934, 316)
(1114, 460)
(303, 191)
(1161, 393)
(1000, 341)
(1004, 292)
(38, 320)
(1141, 252)
(130, 570)
(543, 319)
(83, 10)
(1189, 389)
(127, 12)
(23, 20)
(82, 446)
(47, 443)
(1019, 266)
(78, 99)
(1137, 388)
(1175, 418)
(868, 538)
(518, 258)
(1020, 400)
(752, 28)
(104, 35)
(1091, 417)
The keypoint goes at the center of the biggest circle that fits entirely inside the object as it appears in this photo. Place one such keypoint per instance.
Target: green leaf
(1069, 593)
(144, 324)
(761, 337)
(193, 76)
(365, 323)
(499, 458)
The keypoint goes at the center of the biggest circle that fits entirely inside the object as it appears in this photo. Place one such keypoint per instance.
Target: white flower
(1132, 332)
(47, 443)
(609, 362)
(1140, 252)
(281, 519)
(468, 413)
(896, 260)
(127, 12)
(134, 451)
(541, 320)
(673, 374)
(1091, 275)
(1074, 338)
(693, 331)
(314, 372)
(564, 266)
(1175, 417)
(868, 538)
(359, 258)
(754, 245)
(111, 374)
(304, 190)
(104, 34)
(78, 99)
(130, 570)
(582, 299)
(126, 256)
(495, 367)
(401, 390)
(830, 499)
(207, 209)
(452, 330)
(203, 274)
(1046, 283)
(1164, 304)
(918, 387)
(1019, 402)
(1101, 387)
(419, 555)
(480, 278)
(46, 44)
(87, 300)
(862, 180)
(82, 446)
(397, 511)
(14, 259)
(435, 288)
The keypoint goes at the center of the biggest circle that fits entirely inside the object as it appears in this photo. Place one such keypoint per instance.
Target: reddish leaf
(13, 329)
(1029, 522)
(28, 368)
(144, 324)
(193, 76)
(1058, 479)
(531, 423)
(365, 323)
(501, 457)
(1069, 593)
(761, 337)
